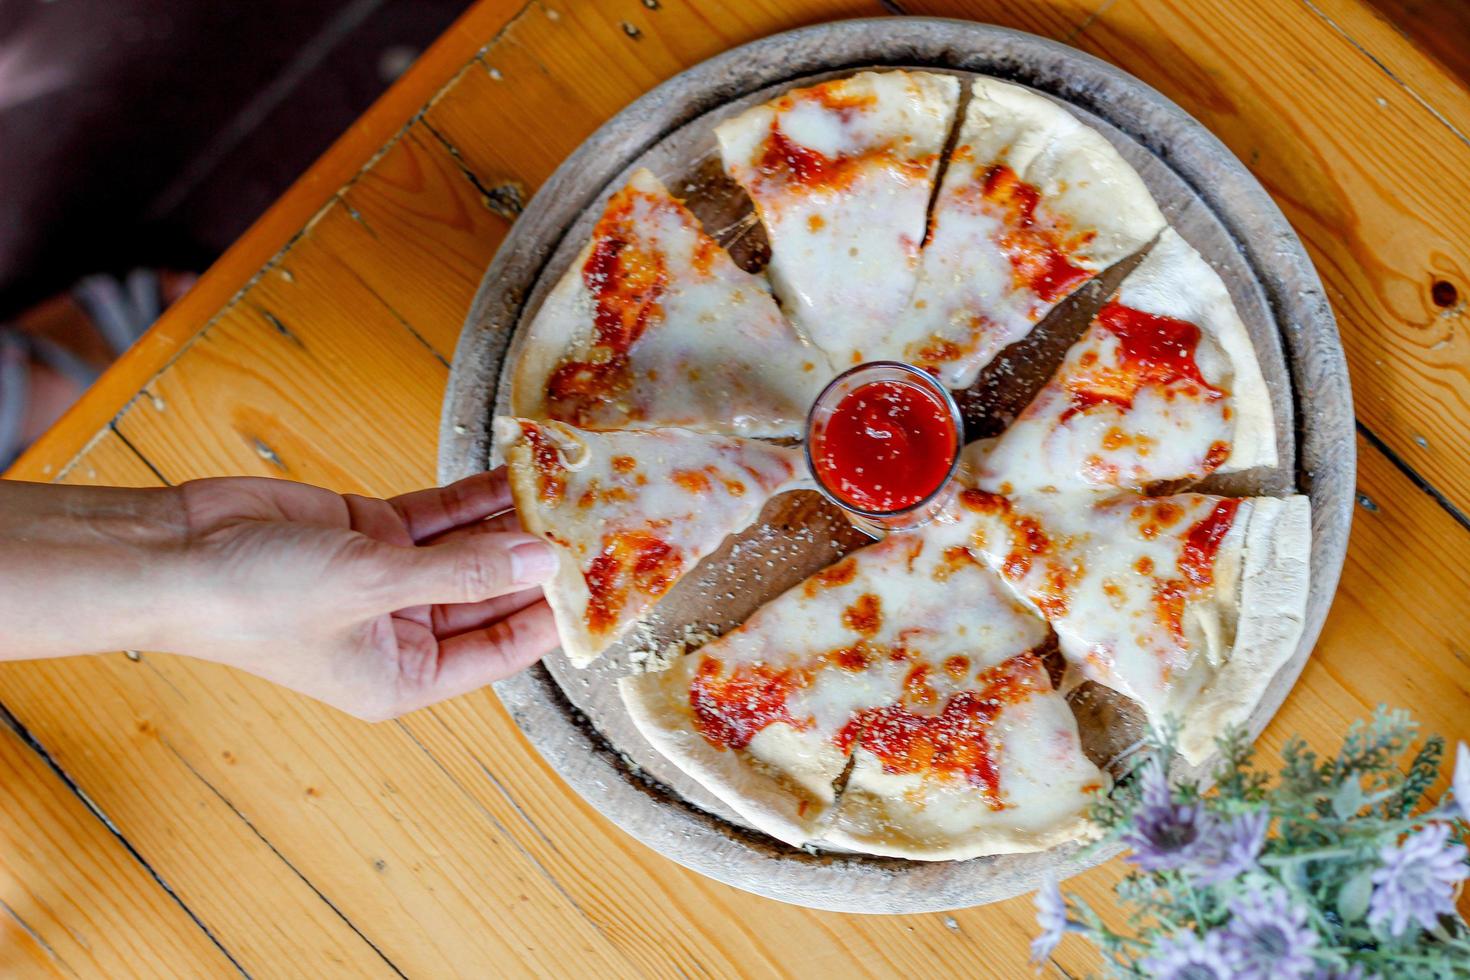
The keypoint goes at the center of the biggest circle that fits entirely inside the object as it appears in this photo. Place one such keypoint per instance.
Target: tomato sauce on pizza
(1153, 351)
(1040, 251)
(626, 282)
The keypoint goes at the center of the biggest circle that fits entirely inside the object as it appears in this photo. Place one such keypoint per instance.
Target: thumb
(471, 568)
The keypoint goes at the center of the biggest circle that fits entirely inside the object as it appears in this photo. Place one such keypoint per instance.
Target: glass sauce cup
(918, 504)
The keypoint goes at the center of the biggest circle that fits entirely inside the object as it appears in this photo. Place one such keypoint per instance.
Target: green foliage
(1333, 822)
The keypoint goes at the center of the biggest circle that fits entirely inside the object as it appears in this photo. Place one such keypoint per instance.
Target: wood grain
(307, 377)
(73, 901)
(577, 63)
(261, 808)
(1429, 26)
(354, 833)
(419, 234)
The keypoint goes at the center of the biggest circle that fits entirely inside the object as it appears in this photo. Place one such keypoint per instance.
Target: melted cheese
(1045, 783)
(861, 627)
(631, 512)
(709, 349)
(1156, 389)
(1032, 205)
(841, 175)
(1142, 591)
(913, 655)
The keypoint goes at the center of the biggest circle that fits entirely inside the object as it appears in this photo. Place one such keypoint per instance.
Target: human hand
(377, 607)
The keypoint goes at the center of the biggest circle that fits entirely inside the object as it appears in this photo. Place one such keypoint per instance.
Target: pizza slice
(1034, 203)
(964, 767)
(912, 660)
(1188, 604)
(841, 174)
(629, 513)
(1164, 385)
(654, 325)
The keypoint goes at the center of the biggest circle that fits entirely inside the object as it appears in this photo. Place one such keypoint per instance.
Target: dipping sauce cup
(883, 443)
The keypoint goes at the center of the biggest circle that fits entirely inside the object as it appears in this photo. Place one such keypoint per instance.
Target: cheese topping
(841, 175)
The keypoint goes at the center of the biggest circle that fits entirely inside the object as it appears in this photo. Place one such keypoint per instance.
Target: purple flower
(1153, 783)
(1231, 849)
(1166, 835)
(1051, 917)
(1267, 937)
(1461, 783)
(1185, 956)
(1417, 880)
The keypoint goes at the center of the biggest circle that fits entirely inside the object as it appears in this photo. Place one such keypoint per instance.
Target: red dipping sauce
(883, 438)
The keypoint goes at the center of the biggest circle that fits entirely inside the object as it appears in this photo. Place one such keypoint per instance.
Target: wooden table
(167, 816)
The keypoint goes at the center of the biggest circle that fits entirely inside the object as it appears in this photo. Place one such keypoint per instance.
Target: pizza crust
(1089, 204)
(878, 815)
(780, 784)
(881, 651)
(566, 593)
(1088, 578)
(554, 330)
(804, 792)
(1069, 161)
(1274, 579)
(634, 512)
(844, 247)
(1096, 425)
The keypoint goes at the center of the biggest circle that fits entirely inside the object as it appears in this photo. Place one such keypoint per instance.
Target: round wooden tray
(575, 718)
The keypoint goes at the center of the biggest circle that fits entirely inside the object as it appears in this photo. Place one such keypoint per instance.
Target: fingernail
(532, 562)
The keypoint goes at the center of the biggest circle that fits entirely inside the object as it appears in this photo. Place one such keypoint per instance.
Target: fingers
(453, 620)
(437, 509)
(509, 521)
(377, 519)
(472, 660)
(464, 569)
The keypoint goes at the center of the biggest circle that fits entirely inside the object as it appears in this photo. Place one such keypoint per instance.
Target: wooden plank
(578, 64)
(308, 377)
(192, 835)
(369, 437)
(419, 234)
(1399, 33)
(353, 406)
(297, 834)
(109, 461)
(180, 446)
(73, 901)
(1397, 634)
(664, 914)
(429, 73)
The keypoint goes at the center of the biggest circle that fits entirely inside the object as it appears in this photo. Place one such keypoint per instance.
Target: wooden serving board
(575, 717)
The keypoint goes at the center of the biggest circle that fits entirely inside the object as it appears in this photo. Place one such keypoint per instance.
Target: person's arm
(375, 606)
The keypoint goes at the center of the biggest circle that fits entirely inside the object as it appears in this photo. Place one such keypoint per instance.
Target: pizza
(654, 325)
(1187, 604)
(1033, 204)
(896, 702)
(1163, 385)
(841, 174)
(911, 699)
(630, 512)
